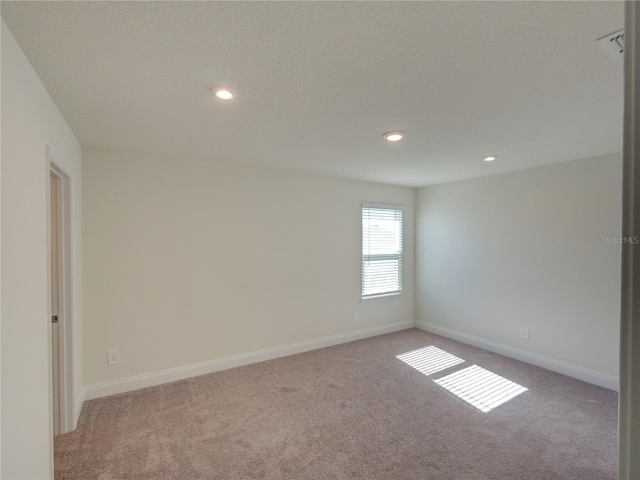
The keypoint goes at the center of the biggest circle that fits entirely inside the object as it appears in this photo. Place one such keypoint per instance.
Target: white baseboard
(188, 371)
(584, 374)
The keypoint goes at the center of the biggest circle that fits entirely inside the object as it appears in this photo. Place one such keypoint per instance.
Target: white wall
(188, 262)
(30, 123)
(526, 249)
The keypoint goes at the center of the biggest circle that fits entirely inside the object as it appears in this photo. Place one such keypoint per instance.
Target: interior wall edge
(629, 399)
(79, 403)
(558, 366)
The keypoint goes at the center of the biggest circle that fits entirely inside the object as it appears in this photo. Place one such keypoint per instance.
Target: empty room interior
(311, 240)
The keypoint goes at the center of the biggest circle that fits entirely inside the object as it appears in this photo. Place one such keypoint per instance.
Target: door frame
(66, 322)
(629, 398)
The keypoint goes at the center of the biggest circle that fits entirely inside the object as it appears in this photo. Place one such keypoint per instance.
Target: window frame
(363, 257)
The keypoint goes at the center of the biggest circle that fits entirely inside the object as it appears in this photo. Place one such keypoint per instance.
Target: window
(381, 250)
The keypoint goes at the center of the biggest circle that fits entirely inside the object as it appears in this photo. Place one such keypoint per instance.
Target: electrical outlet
(524, 333)
(113, 357)
(356, 316)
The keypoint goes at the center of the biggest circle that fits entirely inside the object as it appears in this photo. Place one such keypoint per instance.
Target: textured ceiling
(318, 83)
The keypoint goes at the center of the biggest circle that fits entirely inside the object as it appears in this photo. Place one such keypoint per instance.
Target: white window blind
(381, 250)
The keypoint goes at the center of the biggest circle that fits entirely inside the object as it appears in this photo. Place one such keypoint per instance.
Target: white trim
(196, 369)
(382, 206)
(381, 296)
(79, 404)
(584, 374)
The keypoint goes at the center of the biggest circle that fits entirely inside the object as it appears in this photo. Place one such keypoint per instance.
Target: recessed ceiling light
(393, 136)
(490, 158)
(223, 94)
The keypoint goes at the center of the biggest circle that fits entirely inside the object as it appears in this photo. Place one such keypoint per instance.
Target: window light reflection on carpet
(429, 360)
(481, 388)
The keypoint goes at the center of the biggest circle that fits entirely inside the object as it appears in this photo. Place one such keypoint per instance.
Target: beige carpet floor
(353, 411)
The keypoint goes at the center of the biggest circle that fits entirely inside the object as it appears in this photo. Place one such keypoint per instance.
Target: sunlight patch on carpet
(481, 388)
(429, 360)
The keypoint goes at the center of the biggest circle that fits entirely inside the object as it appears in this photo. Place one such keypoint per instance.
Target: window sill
(382, 296)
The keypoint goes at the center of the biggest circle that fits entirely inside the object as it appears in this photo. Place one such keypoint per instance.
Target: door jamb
(66, 323)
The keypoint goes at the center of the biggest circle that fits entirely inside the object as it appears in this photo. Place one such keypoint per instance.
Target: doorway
(62, 321)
